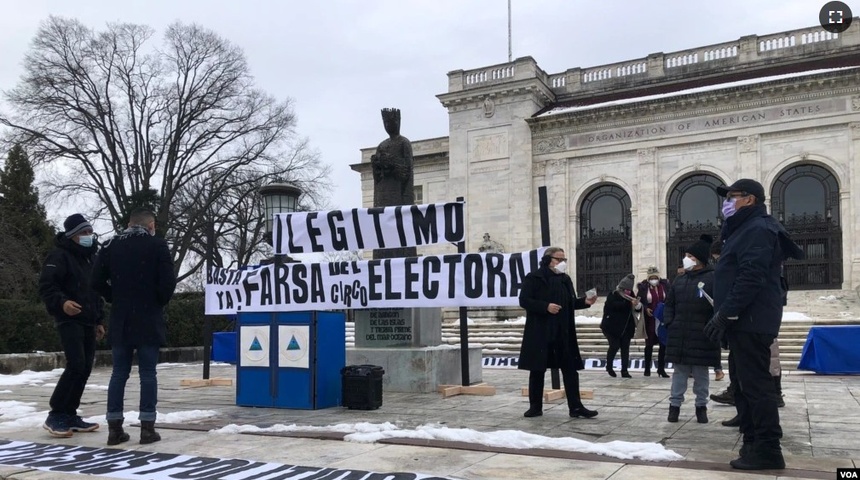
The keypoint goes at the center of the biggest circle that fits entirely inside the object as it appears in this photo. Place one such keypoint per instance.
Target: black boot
(536, 382)
(116, 434)
(762, 456)
(727, 396)
(674, 412)
(780, 401)
(702, 414)
(732, 422)
(610, 370)
(582, 412)
(649, 349)
(148, 433)
(661, 362)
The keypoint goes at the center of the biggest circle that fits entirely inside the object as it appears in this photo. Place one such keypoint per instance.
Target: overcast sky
(341, 61)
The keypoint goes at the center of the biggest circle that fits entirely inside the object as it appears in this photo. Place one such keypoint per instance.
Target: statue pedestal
(418, 370)
(406, 342)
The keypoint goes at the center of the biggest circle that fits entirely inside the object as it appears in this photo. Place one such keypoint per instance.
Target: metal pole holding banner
(207, 320)
(464, 328)
(543, 206)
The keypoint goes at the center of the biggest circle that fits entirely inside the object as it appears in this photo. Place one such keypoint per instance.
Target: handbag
(662, 331)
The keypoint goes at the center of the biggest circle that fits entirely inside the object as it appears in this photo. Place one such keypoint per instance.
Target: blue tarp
(832, 350)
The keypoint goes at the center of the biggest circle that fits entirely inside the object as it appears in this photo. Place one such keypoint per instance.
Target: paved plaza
(821, 422)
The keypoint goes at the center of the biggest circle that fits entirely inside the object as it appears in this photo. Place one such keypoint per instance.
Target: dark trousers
(649, 355)
(616, 343)
(755, 394)
(79, 347)
(571, 385)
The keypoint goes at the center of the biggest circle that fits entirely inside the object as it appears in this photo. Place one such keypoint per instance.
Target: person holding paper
(549, 337)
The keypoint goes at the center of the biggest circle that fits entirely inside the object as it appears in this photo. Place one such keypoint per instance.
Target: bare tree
(109, 116)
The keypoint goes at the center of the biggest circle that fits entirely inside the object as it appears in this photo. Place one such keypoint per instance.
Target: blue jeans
(147, 358)
(679, 384)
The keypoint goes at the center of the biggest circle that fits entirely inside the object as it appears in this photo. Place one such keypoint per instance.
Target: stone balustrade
(747, 53)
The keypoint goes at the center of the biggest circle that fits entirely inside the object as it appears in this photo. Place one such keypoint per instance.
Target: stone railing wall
(745, 53)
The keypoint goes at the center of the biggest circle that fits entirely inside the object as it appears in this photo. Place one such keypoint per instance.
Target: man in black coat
(748, 301)
(549, 337)
(134, 272)
(64, 285)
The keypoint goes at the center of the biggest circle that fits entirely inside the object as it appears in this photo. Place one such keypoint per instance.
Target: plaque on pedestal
(398, 327)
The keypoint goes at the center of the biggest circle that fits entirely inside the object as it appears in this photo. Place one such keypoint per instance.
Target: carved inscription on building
(707, 123)
(489, 147)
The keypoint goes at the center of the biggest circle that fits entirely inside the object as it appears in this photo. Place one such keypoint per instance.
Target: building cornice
(531, 86)
(697, 104)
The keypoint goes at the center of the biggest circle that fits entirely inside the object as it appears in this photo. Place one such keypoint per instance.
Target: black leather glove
(716, 327)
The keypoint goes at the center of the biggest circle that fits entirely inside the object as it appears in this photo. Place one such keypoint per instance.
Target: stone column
(645, 223)
(850, 209)
(557, 200)
(749, 160)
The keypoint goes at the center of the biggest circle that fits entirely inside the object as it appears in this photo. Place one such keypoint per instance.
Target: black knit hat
(74, 224)
(701, 249)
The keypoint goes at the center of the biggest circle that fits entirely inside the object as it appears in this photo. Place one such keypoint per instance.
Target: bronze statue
(392, 175)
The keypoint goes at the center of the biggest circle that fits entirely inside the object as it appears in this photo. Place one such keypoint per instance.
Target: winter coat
(619, 317)
(134, 272)
(685, 314)
(540, 288)
(66, 276)
(748, 284)
(642, 291)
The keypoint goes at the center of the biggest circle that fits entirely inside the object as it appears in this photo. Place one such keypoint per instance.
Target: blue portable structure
(290, 359)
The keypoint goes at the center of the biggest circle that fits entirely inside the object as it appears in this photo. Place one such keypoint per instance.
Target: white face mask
(689, 263)
(561, 267)
(654, 282)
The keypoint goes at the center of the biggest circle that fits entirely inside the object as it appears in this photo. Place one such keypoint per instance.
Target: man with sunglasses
(64, 286)
(748, 301)
(549, 336)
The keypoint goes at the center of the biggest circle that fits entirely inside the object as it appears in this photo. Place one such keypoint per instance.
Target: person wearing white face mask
(549, 336)
(64, 286)
(651, 293)
(686, 312)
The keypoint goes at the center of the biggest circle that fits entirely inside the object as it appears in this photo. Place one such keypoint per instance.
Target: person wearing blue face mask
(748, 301)
(64, 286)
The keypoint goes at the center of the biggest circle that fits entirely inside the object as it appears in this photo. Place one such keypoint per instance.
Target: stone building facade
(630, 153)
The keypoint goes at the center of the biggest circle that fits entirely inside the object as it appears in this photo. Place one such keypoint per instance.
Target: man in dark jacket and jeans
(134, 272)
(64, 286)
(748, 301)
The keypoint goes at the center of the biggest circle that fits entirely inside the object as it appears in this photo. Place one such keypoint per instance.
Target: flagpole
(510, 51)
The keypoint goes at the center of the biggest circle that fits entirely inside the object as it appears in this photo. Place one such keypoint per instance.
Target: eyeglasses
(737, 195)
(560, 259)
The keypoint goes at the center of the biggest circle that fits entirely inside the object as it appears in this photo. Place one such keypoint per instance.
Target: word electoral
(368, 228)
(472, 279)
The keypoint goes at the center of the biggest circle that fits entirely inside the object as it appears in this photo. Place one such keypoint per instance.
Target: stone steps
(504, 339)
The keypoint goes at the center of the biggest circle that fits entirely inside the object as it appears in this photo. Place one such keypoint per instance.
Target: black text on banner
(368, 228)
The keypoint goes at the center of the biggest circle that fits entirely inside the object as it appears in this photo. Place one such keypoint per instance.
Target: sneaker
(77, 424)
(58, 426)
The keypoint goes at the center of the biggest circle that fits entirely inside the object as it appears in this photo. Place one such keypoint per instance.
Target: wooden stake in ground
(476, 389)
(212, 382)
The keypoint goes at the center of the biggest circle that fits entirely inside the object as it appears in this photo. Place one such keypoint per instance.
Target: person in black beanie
(748, 301)
(64, 286)
(619, 323)
(685, 314)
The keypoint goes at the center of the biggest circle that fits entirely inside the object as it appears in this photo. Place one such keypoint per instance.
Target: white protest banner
(457, 280)
(368, 228)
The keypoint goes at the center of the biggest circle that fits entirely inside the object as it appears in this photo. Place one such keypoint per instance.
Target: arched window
(805, 199)
(694, 210)
(605, 251)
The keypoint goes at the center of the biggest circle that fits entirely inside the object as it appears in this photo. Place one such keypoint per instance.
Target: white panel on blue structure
(254, 346)
(294, 346)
